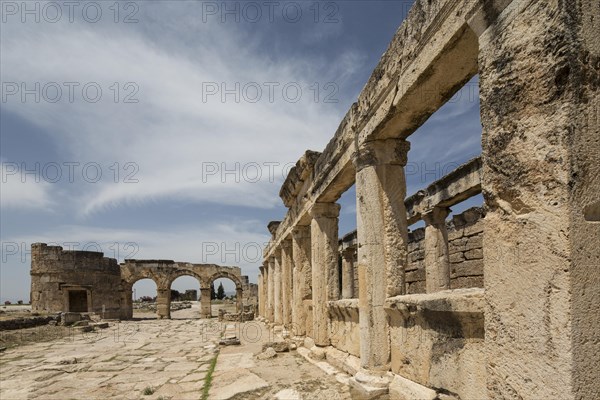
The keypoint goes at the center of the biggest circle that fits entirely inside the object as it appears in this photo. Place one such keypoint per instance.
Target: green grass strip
(208, 378)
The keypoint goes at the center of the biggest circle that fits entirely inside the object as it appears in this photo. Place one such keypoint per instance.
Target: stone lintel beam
(297, 176)
(451, 189)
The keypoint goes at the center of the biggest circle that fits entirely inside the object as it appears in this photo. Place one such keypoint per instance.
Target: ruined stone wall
(344, 328)
(465, 250)
(60, 277)
(250, 293)
(437, 340)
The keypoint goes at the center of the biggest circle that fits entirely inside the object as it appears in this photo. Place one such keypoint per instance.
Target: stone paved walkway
(168, 357)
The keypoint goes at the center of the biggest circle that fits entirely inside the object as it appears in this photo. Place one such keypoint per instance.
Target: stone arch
(127, 292)
(178, 273)
(239, 290)
(164, 272)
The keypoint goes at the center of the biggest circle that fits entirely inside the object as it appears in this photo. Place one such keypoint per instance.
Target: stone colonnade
(538, 174)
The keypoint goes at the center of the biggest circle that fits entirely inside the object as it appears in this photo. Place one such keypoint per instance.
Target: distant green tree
(174, 295)
(221, 292)
(213, 294)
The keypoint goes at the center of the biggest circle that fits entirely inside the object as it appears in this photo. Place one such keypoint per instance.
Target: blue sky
(201, 114)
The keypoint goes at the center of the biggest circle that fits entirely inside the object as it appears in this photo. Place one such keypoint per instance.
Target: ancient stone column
(286, 281)
(348, 273)
(382, 242)
(261, 297)
(302, 277)
(271, 300)
(324, 254)
(277, 304)
(205, 310)
(163, 303)
(437, 262)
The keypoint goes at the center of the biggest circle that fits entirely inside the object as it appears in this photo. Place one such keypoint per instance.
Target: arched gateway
(86, 281)
(164, 272)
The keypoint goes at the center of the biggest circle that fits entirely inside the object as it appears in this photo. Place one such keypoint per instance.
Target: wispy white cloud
(172, 132)
(18, 192)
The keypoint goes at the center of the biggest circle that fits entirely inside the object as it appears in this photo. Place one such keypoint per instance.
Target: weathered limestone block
(474, 254)
(474, 242)
(438, 340)
(344, 328)
(464, 282)
(455, 258)
(415, 276)
(539, 89)
(466, 268)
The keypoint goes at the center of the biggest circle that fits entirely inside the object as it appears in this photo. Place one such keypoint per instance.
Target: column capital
(325, 210)
(349, 253)
(435, 215)
(286, 244)
(275, 253)
(381, 152)
(301, 232)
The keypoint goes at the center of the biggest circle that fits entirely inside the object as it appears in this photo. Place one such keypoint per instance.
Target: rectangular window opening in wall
(347, 258)
(444, 202)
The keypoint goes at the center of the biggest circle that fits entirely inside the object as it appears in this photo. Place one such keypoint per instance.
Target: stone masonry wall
(465, 249)
(55, 272)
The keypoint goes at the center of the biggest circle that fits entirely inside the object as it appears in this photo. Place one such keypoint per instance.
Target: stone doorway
(78, 301)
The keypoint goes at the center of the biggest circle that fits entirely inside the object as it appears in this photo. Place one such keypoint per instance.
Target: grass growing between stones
(148, 391)
(208, 378)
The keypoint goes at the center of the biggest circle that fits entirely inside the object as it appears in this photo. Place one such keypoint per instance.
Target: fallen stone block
(279, 347)
(268, 353)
